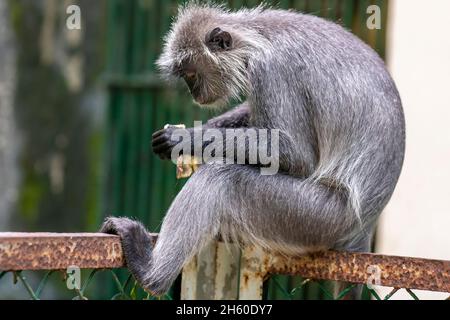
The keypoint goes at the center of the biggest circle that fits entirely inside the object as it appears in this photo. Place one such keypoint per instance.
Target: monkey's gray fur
(342, 145)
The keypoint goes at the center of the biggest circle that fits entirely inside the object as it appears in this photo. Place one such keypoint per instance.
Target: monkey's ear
(218, 40)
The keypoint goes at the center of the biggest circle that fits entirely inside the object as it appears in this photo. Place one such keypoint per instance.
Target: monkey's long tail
(277, 212)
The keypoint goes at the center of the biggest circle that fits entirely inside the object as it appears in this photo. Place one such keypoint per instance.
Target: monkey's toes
(119, 226)
(109, 226)
(136, 242)
(157, 289)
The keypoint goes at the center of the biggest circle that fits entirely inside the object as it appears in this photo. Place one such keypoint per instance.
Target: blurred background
(78, 107)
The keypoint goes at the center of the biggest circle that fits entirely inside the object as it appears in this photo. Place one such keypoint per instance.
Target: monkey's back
(335, 98)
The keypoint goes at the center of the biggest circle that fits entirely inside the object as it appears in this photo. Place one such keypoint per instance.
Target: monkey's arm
(236, 118)
(249, 145)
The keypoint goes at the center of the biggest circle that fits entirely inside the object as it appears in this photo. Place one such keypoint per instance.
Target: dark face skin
(194, 77)
(189, 74)
(216, 40)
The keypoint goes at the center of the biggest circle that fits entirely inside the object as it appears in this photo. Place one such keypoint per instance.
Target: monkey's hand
(163, 142)
(137, 246)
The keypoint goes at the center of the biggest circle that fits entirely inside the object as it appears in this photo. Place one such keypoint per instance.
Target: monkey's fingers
(158, 133)
(159, 140)
(163, 150)
(162, 145)
(168, 129)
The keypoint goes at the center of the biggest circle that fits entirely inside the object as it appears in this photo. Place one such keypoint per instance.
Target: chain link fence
(326, 290)
(76, 287)
(130, 290)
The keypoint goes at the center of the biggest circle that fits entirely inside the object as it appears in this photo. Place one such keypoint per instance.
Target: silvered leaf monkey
(341, 148)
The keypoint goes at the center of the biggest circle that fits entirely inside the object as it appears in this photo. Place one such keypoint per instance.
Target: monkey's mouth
(205, 102)
(200, 99)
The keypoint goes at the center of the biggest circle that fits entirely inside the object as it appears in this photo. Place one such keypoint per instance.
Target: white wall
(417, 220)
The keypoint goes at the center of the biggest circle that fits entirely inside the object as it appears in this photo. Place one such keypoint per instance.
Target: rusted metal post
(227, 271)
(212, 274)
(189, 280)
(198, 276)
(252, 274)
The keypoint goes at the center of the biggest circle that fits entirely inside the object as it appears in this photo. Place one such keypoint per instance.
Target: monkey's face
(205, 80)
(206, 69)
(211, 62)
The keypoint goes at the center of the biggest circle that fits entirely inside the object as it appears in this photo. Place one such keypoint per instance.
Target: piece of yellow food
(186, 164)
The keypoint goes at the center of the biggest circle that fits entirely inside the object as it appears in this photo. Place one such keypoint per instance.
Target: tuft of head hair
(222, 70)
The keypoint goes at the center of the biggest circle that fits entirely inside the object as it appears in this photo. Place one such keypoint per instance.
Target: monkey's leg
(279, 213)
(285, 213)
(192, 220)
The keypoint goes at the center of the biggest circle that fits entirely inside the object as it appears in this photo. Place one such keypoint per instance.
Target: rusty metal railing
(220, 271)
(357, 268)
(55, 251)
(65, 255)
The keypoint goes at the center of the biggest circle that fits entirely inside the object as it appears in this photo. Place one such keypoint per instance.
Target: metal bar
(398, 272)
(55, 251)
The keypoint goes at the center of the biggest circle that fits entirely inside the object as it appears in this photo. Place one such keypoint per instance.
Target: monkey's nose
(190, 74)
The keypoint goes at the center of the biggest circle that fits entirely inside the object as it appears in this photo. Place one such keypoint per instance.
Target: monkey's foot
(137, 247)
